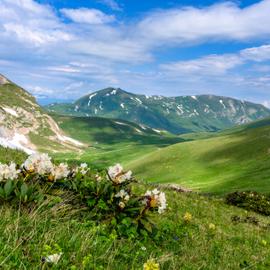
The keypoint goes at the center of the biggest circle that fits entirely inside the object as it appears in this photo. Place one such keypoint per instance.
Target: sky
(59, 50)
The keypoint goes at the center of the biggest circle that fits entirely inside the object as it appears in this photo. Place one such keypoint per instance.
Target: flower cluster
(187, 217)
(156, 198)
(107, 194)
(59, 172)
(117, 175)
(38, 163)
(124, 196)
(151, 265)
(8, 172)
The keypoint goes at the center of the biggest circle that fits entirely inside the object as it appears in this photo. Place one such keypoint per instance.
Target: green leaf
(8, 188)
(24, 190)
(147, 225)
(91, 202)
(2, 192)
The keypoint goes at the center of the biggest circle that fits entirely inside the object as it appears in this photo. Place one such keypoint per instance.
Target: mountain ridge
(25, 125)
(179, 114)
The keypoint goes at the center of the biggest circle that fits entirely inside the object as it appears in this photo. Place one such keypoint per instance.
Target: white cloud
(111, 4)
(30, 23)
(65, 69)
(212, 64)
(216, 22)
(88, 16)
(35, 37)
(257, 54)
(219, 64)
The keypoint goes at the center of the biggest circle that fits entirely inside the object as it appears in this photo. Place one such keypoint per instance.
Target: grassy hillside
(110, 141)
(193, 245)
(237, 159)
(8, 155)
(208, 239)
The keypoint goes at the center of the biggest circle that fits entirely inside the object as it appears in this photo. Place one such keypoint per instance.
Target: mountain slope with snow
(24, 125)
(181, 114)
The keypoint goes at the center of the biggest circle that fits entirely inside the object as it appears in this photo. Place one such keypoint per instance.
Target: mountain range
(183, 114)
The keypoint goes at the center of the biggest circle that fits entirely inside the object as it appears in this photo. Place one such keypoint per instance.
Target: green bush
(250, 200)
(106, 196)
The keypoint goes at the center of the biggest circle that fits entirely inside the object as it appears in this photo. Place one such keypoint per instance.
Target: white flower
(143, 248)
(117, 174)
(115, 170)
(122, 205)
(83, 169)
(61, 171)
(8, 171)
(98, 178)
(53, 258)
(123, 195)
(156, 198)
(39, 163)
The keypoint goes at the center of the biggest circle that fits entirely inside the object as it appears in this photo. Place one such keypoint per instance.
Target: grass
(8, 155)
(236, 159)
(111, 141)
(193, 246)
(25, 232)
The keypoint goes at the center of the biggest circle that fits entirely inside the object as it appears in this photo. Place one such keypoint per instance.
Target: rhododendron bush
(107, 196)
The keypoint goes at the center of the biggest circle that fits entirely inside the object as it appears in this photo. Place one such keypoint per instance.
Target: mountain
(237, 159)
(112, 141)
(25, 125)
(182, 114)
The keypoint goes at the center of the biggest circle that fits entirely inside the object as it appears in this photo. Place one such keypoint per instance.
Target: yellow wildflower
(187, 217)
(151, 265)
(212, 226)
(264, 243)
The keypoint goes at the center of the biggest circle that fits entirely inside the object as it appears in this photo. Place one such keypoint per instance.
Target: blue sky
(61, 50)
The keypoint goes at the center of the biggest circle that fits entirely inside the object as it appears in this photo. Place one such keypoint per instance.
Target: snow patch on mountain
(120, 123)
(67, 139)
(156, 130)
(90, 98)
(10, 111)
(221, 102)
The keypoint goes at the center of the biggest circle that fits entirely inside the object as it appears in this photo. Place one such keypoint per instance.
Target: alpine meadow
(135, 135)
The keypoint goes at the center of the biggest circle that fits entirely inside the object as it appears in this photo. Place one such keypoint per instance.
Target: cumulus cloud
(217, 22)
(30, 23)
(88, 16)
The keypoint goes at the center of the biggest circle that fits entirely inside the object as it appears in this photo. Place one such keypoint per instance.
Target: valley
(235, 159)
(217, 162)
(210, 163)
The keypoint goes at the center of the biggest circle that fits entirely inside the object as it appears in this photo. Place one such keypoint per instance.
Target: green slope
(237, 159)
(194, 246)
(178, 115)
(111, 141)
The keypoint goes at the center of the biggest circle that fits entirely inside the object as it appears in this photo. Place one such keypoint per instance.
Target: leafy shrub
(106, 196)
(249, 200)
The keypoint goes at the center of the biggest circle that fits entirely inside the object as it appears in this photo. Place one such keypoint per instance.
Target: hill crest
(180, 114)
